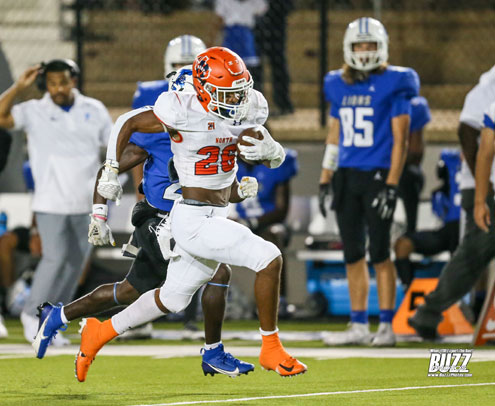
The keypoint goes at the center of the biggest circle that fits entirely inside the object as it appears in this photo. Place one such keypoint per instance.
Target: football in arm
(248, 132)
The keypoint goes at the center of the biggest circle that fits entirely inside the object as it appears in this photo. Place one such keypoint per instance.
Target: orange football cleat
(273, 357)
(94, 335)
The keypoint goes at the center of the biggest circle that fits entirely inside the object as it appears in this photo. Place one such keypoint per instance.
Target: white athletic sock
(212, 346)
(62, 316)
(268, 333)
(141, 311)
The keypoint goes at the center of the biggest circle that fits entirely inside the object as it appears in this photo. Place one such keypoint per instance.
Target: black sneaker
(425, 332)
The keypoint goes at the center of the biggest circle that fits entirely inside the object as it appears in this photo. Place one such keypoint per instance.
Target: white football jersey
(204, 147)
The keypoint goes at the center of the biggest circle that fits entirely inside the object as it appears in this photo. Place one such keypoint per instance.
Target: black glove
(172, 172)
(385, 201)
(322, 197)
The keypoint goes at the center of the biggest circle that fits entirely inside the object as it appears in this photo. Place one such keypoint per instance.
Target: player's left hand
(385, 201)
(248, 187)
(109, 184)
(323, 194)
(99, 232)
(482, 216)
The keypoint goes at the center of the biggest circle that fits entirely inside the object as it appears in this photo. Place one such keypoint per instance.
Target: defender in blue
(412, 178)
(446, 205)
(363, 161)
(265, 214)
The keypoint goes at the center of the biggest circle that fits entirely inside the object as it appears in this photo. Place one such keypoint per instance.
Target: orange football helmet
(222, 83)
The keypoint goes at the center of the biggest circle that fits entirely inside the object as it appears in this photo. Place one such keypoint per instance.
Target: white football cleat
(30, 325)
(384, 337)
(356, 333)
(3, 330)
(60, 340)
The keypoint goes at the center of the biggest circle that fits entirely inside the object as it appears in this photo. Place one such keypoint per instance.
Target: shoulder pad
(291, 153)
(258, 108)
(331, 79)
(170, 110)
(407, 80)
(147, 92)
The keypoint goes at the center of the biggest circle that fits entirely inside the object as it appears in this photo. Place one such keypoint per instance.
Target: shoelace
(63, 328)
(227, 356)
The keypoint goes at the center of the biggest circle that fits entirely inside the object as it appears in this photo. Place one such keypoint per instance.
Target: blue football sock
(359, 316)
(386, 316)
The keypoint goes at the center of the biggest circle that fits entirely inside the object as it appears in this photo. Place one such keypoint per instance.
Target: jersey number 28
(356, 126)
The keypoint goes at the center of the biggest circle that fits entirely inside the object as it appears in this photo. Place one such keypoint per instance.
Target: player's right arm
(142, 120)
(484, 159)
(8, 97)
(471, 122)
(99, 232)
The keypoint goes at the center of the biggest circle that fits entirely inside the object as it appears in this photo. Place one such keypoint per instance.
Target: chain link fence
(121, 42)
(449, 43)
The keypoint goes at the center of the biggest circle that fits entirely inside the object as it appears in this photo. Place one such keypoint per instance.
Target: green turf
(142, 380)
(16, 334)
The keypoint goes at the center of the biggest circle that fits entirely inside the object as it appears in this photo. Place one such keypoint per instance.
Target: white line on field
(304, 395)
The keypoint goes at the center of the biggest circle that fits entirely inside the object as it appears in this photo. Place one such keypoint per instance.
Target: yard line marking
(303, 395)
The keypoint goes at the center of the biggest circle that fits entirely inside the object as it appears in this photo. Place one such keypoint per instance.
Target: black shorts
(149, 269)
(23, 238)
(433, 242)
(354, 191)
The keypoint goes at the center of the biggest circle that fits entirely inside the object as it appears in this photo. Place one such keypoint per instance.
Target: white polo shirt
(64, 151)
(238, 12)
(475, 104)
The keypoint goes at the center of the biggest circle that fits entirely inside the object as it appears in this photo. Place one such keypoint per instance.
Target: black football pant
(467, 264)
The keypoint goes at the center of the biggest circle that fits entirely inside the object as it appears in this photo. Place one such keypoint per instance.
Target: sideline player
(365, 152)
(412, 178)
(446, 205)
(477, 247)
(204, 127)
(149, 268)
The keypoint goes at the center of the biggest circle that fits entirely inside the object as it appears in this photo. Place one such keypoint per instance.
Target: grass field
(151, 380)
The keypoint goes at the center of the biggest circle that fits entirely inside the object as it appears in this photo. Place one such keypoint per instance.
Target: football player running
(180, 52)
(203, 126)
(149, 247)
(364, 156)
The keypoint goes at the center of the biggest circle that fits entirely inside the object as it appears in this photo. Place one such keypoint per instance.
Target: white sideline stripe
(304, 395)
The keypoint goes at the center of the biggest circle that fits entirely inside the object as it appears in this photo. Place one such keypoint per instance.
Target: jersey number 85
(357, 126)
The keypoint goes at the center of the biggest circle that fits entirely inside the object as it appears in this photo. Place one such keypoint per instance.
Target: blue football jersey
(448, 206)
(147, 93)
(268, 179)
(159, 191)
(365, 110)
(420, 113)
